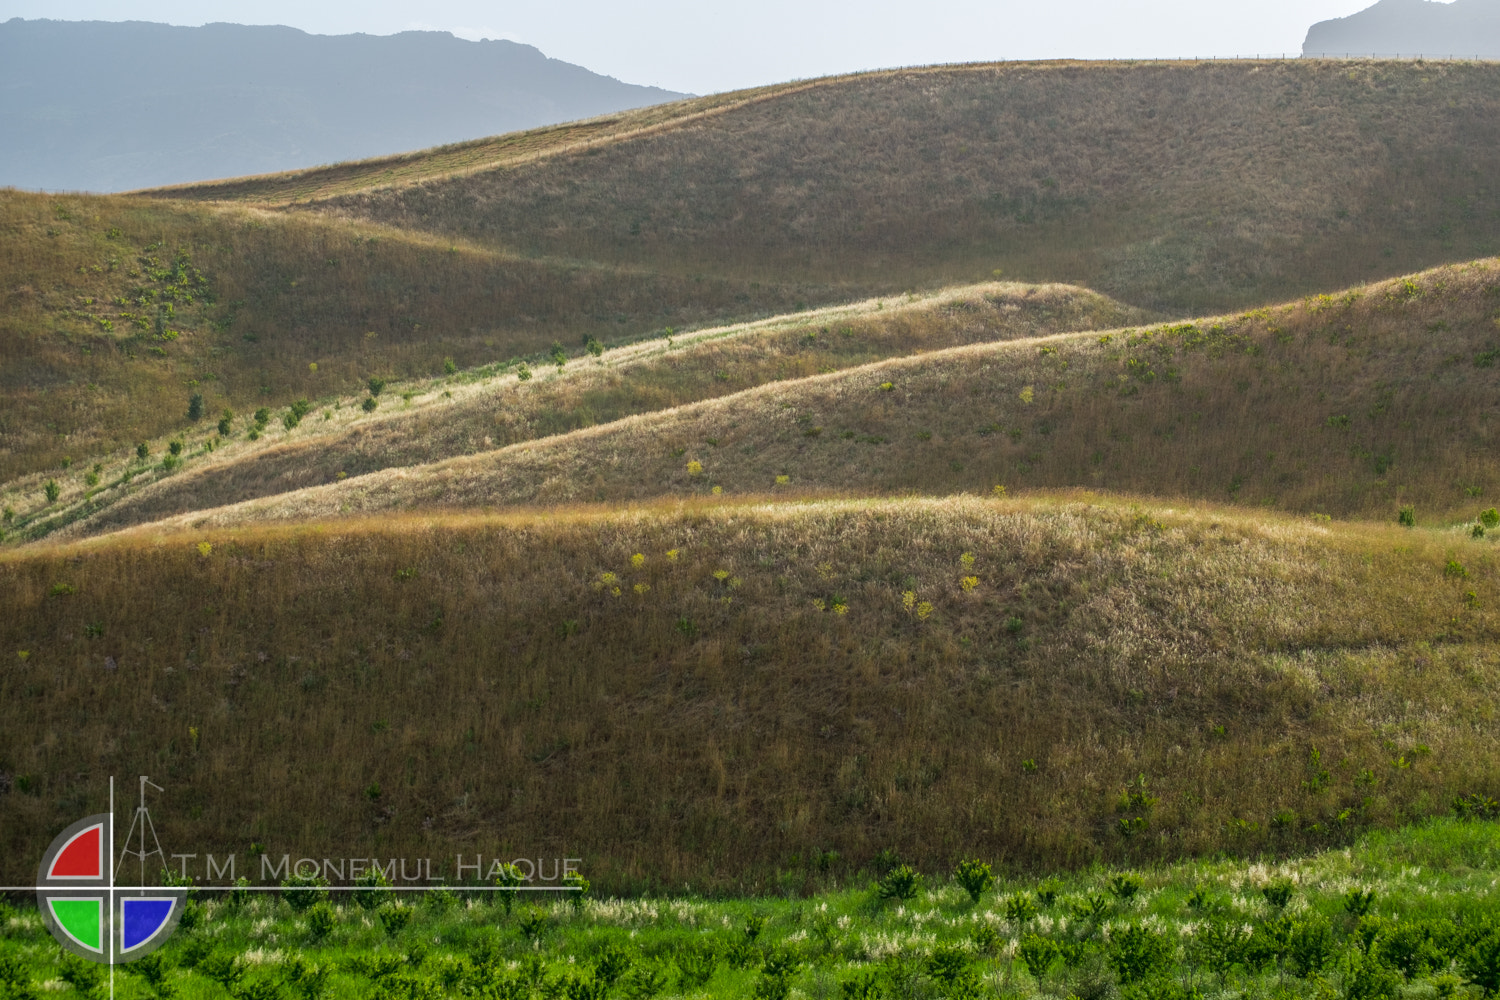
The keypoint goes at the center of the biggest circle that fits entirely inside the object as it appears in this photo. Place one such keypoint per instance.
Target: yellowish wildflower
(721, 575)
(969, 583)
(638, 560)
(1028, 394)
(999, 491)
(204, 549)
(695, 468)
(967, 559)
(717, 490)
(671, 555)
(783, 480)
(818, 604)
(923, 611)
(909, 600)
(840, 608)
(641, 588)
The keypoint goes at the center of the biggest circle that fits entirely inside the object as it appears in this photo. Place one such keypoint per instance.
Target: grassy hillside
(1352, 406)
(1191, 187)
(423, 420)
(114, 311)
(687, 693)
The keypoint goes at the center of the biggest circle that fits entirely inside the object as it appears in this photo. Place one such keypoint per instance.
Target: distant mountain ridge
(113, 106)
(1464, 29)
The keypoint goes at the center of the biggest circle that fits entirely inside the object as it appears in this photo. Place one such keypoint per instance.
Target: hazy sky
(697, 46)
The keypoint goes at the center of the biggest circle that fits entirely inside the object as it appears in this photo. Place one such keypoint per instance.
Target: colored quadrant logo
(88, 913)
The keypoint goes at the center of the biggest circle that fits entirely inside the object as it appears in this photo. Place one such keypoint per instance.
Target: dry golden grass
(462, 158)
(1352, 406)
(709, 710)
(473, 412)
(78, 375)
(1194, 187)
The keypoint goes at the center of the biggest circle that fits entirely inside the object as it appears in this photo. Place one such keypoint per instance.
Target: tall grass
(762, 682)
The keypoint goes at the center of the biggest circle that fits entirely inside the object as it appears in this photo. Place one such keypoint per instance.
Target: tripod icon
(142, 821)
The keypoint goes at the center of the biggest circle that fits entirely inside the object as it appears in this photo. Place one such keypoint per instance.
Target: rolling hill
(1353, 406)
(685, 489)
(689, 694)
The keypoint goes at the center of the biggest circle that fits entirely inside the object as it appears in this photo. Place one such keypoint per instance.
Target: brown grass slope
(92, 358)
(1352, 405)
(460, 158)
(691, 694)
(1193, 187)
(471, 411)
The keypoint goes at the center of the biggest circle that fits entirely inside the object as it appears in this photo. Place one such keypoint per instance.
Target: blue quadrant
(143, 918)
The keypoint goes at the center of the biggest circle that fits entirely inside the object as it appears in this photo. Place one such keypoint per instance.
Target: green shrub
(170, 462)
(1479, 959)
(175, 447)
(1019, 909)
(449, 368)
(1490, 518)
(262, 417)
(975, 877)
(532, 923)
(900, 883)
(775, 982)
(1278, 892)
(1407, 517)
(579, 887)
(369, 404)
(226, 423)
(645, 982)
(1310, 947)
(225, 969)
(1417, 947)
(1219, 945)
(593, 347)
(302, 894)
(320, 921)
(370, 889)
(1367, 977)
(1357, 902)
(52, 490)
(394, 919)
(1476, 806)
(1137, 953)
(558, 355)
(1038, 954)
(195, 407)
(509, 880)
(695, 967)
(1124, 886)
(142, 452)
(523, 372)
(375, 384)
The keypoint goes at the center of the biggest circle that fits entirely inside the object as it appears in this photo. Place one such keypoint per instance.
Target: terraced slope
(694, 693)
(1189, 187)
(420, 421)
(1351, 406)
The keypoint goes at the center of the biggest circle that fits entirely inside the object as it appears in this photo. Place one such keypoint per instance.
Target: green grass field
(1409, 913)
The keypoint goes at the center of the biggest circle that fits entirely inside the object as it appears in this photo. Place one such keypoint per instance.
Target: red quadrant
(80, 857)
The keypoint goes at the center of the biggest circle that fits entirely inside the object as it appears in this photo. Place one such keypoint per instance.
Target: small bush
(320, 921)
(1310, 947)
(1479, 960)
(369, 404)
(1137, 953)
(394, 919)
(375, 384)
(370, 886)
(695, 967)
(302, 894)
(509, 879)
(1038, 954)
(1368, 977)
(1407, 517)
(142, 451)
(1490, 518)
(1124, 886)
(1357, 902)
(593, 347)
(1019, 909)
(523, 372)
(226, 423)
(175, 447)
(975, 877)
(1278, 892)
(579, 887)
(532, 923)
(52, 491)
(195, 407)
(900, 883)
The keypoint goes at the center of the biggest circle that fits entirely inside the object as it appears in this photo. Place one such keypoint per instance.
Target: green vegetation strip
(1403, 914)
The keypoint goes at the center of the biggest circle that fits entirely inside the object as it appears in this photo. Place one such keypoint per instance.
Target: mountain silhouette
(112, 106)
(1464, 29)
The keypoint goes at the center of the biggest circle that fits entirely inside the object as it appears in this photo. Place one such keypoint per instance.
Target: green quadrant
(82, 919)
